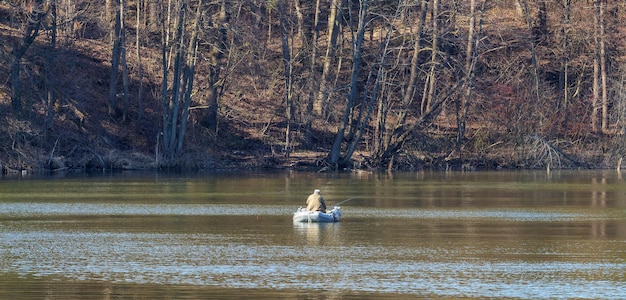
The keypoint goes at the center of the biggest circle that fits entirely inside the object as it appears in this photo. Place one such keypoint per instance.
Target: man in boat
(316, 202)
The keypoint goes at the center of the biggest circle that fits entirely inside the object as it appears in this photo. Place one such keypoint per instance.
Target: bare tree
(361, 98)
(533, 52)
(33, 25)
(565, 31)
(332, 33)
(124, 63)
(597, 90)
(357, 48)
(50, 98)
(153, 19)
(603, 65)
(288, 78)
(313, 76)
(176, 98)
(108, 7)
(118, 47)
(405, 108)
(471, 57)
(429, 87)
(411, 86)
(217, 58)
(432, 100)
(138, 24)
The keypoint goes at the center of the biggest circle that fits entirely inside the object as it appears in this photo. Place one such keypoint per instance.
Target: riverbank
(309, 161)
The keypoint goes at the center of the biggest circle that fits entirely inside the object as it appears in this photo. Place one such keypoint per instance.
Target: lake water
(523, 235)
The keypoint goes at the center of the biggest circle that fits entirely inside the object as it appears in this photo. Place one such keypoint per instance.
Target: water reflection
(318, 234)
(478, 235)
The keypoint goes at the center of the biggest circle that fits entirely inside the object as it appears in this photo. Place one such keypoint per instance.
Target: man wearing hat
(315, 202)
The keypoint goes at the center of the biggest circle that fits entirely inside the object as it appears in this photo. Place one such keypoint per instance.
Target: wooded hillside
(326, 84)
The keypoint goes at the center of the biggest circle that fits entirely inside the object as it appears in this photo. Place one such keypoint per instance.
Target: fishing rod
(346, 200)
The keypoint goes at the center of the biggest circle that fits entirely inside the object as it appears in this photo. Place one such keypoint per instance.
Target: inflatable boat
(303, 215)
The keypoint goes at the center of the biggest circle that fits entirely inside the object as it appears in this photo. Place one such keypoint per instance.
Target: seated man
(315, 202)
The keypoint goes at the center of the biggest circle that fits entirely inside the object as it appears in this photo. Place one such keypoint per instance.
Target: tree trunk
(50, 59)
(165, 104)
(209, 120)
(68, 24)
(565, 58)
(331, 46)
(287, 68)
(188, 77)
(470, 62)
(313, 78)
(382, 141)
(32, 31)
(463, 104)
(596, 67)
(603, 67)
(108, 7)
(357, 115)
(115, 60)
(357, 43)
(153, 15)
(139, 65)
(533, 54)
(429, 92)
(302, 33)
(177, 99)
(123, 62)
(409, 94)
(171, 101)
(425, 119)
(541, 28)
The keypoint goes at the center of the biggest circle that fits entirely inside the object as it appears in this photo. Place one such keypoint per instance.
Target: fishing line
(346, 200)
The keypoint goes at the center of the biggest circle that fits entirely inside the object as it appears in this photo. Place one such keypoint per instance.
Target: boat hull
(303, 215)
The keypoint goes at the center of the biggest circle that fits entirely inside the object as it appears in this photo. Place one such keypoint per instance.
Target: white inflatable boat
(303, 215)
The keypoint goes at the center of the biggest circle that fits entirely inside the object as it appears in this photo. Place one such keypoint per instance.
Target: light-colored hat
(316, 191)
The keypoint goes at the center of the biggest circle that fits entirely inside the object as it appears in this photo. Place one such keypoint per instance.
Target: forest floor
(84, 136)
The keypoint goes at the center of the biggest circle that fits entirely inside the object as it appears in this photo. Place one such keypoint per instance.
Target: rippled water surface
(527, 235)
